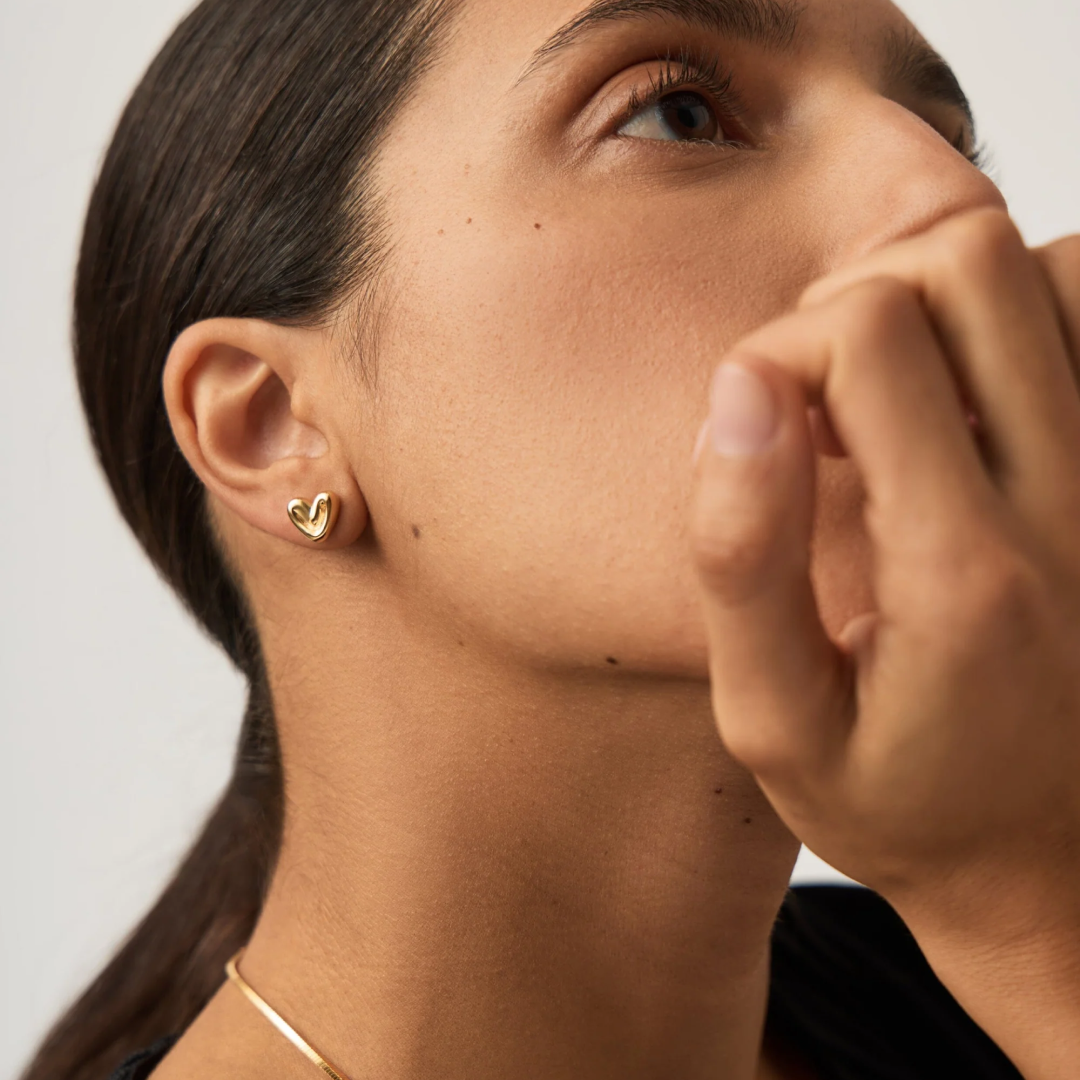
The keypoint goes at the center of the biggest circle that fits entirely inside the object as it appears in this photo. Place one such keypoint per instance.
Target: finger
(995, 315)
(1060, 264)
(871, 357)
(778, 688)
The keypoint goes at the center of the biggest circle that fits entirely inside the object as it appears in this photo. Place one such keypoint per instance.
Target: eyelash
(687, 71)
(977, 155)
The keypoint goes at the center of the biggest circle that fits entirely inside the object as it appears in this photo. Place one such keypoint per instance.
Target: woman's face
(571, 259)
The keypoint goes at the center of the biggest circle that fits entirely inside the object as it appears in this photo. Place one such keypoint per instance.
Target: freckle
(416, 532)
(537, 225)
(612, 660)
(462, 644)
(441, 231)
(719, 791)
(468, 221)
(746, 820)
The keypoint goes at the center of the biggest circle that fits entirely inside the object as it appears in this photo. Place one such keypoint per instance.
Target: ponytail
(173, 961)
(235, 186)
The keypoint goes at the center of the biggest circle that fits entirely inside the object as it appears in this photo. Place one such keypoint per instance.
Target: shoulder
(852, 990)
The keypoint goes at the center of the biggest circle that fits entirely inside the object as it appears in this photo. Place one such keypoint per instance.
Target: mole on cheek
(416, 532)
(537, 225)
(612, 660)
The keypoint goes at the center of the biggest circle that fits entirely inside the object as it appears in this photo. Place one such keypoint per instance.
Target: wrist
(1020, 908)
(1011, 958)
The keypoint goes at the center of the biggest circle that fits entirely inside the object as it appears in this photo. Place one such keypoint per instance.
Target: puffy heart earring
(315, 519)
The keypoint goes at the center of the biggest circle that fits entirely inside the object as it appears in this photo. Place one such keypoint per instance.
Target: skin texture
(515, 844)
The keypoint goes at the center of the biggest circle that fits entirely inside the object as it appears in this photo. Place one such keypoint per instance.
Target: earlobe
(232, 389)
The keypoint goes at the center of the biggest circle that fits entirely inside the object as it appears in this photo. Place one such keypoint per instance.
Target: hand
(932, 751)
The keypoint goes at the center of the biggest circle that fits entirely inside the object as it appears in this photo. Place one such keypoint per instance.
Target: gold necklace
(289, 1032)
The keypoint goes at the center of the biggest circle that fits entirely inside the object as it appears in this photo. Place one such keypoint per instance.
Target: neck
(490, 872)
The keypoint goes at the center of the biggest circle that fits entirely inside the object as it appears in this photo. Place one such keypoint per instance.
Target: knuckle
(818, 291)
(731, 563)
(1001, 600)
(1010, 592)
(756, 735)
(760, 749)
(875, 308)
(745, 557)
(1061, 264)
(1064, 253)
(765, 737)
(980, 244)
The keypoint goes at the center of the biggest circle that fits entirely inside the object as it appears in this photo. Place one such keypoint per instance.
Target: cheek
(541, 390)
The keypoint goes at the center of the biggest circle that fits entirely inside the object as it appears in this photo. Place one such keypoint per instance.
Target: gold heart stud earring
(315, 519)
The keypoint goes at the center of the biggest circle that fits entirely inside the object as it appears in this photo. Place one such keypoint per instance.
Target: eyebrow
(770, 23)
(911, 62)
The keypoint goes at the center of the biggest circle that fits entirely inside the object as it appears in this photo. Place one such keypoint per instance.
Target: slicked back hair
(235, 185)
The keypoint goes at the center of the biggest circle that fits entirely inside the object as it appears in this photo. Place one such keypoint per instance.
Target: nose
(885, 174)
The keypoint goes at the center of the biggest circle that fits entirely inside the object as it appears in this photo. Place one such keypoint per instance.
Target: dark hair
(236, 185)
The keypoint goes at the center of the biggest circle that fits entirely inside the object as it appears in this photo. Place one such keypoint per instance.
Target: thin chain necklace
(289, 1032)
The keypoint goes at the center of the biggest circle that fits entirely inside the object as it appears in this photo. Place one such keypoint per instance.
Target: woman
(395, 325)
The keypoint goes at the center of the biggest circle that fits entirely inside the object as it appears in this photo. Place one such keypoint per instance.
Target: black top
(851, 993)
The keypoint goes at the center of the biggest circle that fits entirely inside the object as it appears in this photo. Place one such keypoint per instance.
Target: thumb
(779, 685)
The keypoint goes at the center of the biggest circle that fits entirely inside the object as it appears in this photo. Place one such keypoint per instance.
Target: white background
(118, 717)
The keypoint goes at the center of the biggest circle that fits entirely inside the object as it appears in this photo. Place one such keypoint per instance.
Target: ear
(242, 397)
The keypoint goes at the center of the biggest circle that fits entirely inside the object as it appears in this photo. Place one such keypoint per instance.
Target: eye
(682, 116)
(683, 103)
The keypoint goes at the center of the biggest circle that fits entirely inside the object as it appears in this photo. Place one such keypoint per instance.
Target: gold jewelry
(315, 520)
(279, 1023)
